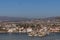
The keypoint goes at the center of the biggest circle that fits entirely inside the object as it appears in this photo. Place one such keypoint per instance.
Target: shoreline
(25, 32)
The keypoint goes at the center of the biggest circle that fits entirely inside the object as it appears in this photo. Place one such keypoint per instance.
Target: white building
(12, 30)
(29, 30)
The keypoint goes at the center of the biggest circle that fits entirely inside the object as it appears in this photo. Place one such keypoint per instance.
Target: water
(19, 36)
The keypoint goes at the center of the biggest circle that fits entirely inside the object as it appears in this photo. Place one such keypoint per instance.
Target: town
(34, 27)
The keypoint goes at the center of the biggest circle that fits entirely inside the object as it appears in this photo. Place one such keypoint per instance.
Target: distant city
(33, 27)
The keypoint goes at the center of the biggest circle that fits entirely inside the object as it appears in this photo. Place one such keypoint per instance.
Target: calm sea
(24, 36)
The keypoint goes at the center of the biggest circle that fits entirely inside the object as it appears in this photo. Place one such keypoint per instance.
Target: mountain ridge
(6, 18)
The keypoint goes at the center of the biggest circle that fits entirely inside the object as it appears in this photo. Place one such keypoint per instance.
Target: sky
(30, 8)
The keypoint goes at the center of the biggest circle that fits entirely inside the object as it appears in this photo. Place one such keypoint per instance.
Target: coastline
(23, 32)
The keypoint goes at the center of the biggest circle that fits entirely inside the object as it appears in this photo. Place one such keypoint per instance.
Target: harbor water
(24, 36)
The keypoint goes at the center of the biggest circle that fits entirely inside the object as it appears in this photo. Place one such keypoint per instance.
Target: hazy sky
(30, 8)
